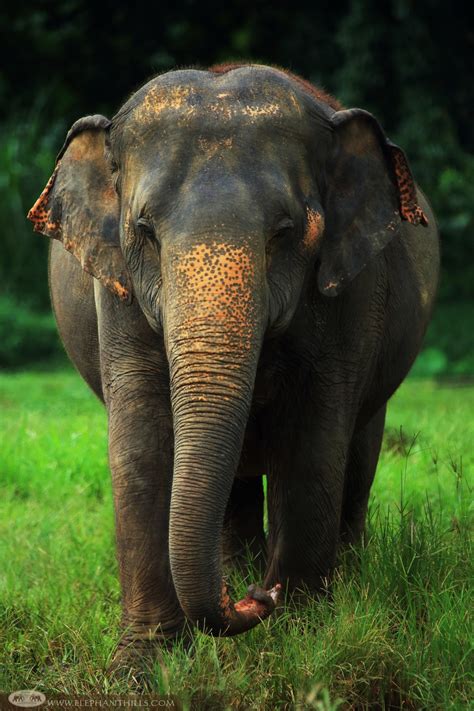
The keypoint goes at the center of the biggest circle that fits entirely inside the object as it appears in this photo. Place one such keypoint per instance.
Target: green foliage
(26, 161)
(397, 632)
(449, 342)
(26, 336)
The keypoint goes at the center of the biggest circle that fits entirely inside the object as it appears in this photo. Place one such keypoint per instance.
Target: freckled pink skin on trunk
(215, 281)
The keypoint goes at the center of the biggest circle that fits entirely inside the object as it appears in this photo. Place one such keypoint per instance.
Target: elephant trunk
(215, 320)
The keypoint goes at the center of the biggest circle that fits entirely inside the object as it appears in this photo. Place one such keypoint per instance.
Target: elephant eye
(116, 181)
(285, 224)
(145, 228)
(281, 229)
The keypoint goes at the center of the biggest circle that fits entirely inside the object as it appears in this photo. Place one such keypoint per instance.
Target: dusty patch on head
(310, 88)
(268, 109)
(314, 228)
(211, 147)
(165, 98)
(184, 102)
(230, 107)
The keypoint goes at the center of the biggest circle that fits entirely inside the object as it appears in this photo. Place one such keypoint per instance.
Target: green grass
(396, 630)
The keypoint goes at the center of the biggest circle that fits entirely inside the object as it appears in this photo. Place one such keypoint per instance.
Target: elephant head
(216, 199)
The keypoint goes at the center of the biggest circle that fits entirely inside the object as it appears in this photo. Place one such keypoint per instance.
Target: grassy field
(395, 634)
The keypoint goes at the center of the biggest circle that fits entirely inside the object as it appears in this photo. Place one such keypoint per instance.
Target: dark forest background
(410, 63)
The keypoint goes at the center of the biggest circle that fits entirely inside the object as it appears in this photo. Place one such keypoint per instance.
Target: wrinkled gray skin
(270, 300)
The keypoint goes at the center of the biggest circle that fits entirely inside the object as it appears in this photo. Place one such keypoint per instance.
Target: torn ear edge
(39, 213)
(98, 252)
(409, 208)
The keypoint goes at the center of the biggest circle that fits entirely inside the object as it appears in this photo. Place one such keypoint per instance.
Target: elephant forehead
(183, 104)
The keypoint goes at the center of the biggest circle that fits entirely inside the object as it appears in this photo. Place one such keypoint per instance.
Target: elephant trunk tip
(240, 617)
(258, 602)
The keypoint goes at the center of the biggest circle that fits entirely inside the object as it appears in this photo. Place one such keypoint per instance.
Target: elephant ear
(369, 191)
(79, 206)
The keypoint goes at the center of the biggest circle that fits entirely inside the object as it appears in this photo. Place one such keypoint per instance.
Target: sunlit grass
(395, 630)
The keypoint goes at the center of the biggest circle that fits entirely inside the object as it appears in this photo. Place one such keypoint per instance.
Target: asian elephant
(243, 271)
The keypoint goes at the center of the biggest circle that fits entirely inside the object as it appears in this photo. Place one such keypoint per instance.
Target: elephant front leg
(305, 486)
(140, 451)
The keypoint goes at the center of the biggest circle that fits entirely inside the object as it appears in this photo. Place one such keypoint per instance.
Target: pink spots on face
(314, 228)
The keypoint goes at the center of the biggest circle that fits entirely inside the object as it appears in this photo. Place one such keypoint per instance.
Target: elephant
(243, 271)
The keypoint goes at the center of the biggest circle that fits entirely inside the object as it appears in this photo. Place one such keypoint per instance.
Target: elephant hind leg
(360, 471)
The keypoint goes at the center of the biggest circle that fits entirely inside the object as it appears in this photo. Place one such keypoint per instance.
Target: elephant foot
(137, 653)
